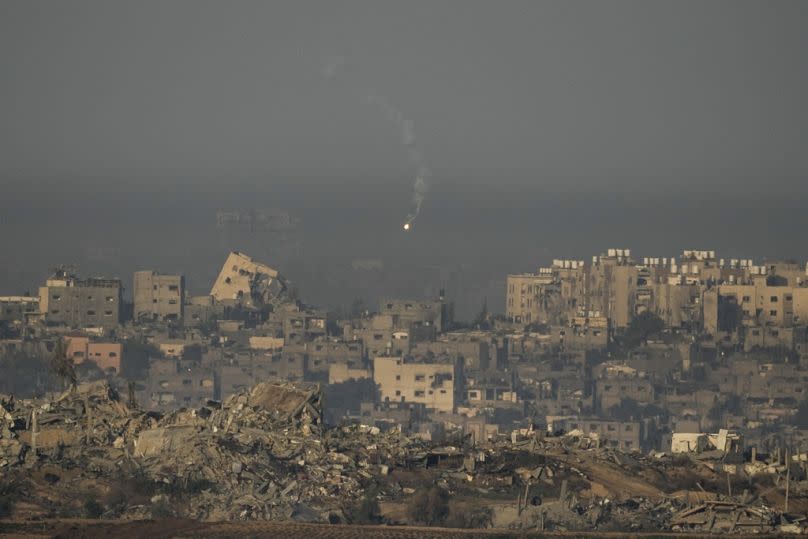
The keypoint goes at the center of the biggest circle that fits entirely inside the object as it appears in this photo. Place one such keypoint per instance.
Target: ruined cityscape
(617, 393)
(410, 269)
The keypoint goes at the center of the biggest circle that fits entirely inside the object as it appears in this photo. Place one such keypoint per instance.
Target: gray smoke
(406, 130)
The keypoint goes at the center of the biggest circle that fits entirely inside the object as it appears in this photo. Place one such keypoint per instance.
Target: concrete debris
(261, 454)
(265, 454)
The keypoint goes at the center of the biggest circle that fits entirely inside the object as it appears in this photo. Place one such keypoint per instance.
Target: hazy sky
(565, 127)
(635, 93)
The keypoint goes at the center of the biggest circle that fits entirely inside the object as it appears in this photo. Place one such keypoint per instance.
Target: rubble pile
(725, 517)
(261, 454)
(265, 454)
(60, 429)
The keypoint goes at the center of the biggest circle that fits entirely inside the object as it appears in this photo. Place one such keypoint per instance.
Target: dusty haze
(551, 129)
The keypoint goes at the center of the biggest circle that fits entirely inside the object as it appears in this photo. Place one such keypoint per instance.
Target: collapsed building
(245, 283)
(264, 454)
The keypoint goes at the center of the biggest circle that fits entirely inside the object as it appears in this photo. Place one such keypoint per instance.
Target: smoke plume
(406, 131)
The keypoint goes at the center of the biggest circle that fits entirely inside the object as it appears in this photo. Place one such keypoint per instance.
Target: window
(56, 297)
(54, 311)
(173, 287)
(747, 299)
(398, 393)
(773, 312)
(107, 313)
(419, 393)
(91, 313)
(628, 428)
(172, 302)
(78, 353)
(113, 354)
(110, 299)
(187, 382)
(398, 377)
(420, 377)
(773, 299)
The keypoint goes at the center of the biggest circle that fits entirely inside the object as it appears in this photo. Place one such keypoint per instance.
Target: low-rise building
(625, 435)
(106, 355)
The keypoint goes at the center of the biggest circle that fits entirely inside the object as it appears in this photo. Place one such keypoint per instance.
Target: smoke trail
(407, 133)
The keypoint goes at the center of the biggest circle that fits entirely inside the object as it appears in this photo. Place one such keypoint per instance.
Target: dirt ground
(165, 529)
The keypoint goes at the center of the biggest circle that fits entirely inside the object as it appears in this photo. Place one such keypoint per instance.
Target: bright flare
(406, 226)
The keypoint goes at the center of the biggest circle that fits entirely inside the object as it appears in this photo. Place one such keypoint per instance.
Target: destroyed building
(246, 283)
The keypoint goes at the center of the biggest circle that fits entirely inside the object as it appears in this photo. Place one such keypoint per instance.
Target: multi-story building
(324, 353)
(532, 297)
(613, 286)
(614, 390)
(430, 384)
(67, 300)
(158, 297)
(406, 313)
(18, 308)
(754, 304)
(472, 348)
(176, 383)
(301, 325)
